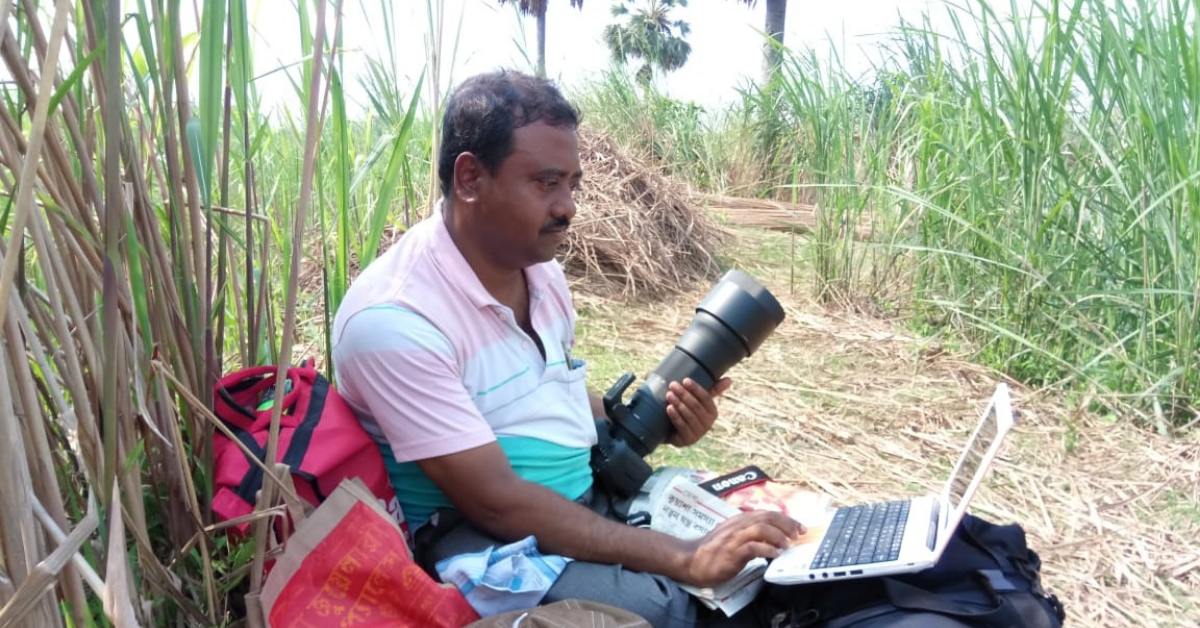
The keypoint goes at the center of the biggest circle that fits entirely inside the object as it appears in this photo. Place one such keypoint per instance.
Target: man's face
(525, 208)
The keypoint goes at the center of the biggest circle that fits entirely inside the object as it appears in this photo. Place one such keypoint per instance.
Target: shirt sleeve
(397, 367)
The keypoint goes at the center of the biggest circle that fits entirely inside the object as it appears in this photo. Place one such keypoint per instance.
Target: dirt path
(861, 409)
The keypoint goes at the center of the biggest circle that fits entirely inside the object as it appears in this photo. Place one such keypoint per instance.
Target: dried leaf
(118, 604)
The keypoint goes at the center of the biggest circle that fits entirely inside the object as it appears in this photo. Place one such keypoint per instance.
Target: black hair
(484, 110)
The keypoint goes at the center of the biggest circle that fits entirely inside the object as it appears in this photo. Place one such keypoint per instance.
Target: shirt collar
(455, 269)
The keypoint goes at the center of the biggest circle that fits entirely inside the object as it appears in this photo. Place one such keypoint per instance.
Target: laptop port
(838, 574)
(856, 572)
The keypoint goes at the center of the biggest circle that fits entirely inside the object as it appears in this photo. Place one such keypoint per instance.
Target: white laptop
(901, 536)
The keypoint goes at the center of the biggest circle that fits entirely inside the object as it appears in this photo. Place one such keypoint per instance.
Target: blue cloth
(508, 578)
(564, 470)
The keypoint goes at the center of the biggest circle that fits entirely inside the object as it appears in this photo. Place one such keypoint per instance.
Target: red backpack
(320, 440)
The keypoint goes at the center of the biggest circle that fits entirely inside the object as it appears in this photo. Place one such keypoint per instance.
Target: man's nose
(565, 207)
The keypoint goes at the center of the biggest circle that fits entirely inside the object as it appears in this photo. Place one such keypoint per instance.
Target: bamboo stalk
(24, 203)
(34, 589)
(312, 134)
(193, 506)
(6, 588)
(90, 521)
(112, 103)
(45, 483)
(178, 157)
(117, 591)
(19, 537)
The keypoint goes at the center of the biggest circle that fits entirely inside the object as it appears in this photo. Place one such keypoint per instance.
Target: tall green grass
(710, 150)
(164, 237)
(1032, 187)
(1020, 175)
(1042, 173)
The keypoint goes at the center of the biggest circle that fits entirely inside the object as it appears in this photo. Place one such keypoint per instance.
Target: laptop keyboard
(870, 533)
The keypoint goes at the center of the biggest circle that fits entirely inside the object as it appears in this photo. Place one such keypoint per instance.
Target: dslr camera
(729, 325)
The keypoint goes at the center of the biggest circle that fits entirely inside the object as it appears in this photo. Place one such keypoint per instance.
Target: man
(454, 348)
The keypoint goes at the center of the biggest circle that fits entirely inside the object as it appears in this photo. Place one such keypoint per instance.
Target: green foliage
(648, 34)
(1039, 189)
(181, 277)
(1025, 183)
(712, 151)
(1032, 190)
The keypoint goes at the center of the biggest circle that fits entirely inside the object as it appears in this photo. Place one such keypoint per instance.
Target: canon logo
(748, 476)
(735, 481)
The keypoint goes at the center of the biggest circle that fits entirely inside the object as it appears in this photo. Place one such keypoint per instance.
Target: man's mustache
(560, 224)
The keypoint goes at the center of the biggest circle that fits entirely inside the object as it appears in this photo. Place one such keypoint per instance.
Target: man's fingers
(758, 549)
(685, 430)
(764, 533)
(743, 553)
(701, 400)
(768, 525)
(688, 411)
(690, 395)
(790, 527)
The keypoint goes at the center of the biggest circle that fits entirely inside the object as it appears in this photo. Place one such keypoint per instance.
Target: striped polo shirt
(432, 364)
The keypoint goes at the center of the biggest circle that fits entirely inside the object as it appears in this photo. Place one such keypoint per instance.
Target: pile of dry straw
(636, 234)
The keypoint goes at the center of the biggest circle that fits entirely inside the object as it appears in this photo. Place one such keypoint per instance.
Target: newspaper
(680, 507)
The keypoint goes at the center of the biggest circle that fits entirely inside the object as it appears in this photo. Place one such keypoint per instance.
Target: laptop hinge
(932, 536)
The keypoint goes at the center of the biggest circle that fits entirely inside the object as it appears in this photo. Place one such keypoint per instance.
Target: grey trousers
(657, 599)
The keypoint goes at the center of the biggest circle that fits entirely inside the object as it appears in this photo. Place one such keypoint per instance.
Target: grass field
(1030, 179)
(860, 408)
(1029, 187)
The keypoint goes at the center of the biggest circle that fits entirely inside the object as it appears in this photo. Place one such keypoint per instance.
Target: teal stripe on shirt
(565, 470)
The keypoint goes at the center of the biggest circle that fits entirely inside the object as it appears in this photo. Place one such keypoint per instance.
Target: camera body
(730, 324)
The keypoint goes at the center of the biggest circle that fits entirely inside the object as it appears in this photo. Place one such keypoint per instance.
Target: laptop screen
(977, 456)
(972, 459)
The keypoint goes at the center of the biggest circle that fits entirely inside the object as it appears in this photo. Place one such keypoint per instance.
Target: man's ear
(468, 171)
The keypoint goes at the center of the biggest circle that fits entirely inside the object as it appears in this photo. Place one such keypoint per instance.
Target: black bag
(987, 578)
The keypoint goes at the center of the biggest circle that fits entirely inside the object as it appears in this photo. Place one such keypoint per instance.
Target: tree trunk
(772, 59)
(541, 40)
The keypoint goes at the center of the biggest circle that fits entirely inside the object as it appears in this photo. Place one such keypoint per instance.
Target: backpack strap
(302, 437)
(225, 393)
(297, 448)
(908, 597)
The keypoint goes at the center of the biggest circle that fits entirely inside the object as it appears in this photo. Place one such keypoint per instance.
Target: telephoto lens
(730, 324)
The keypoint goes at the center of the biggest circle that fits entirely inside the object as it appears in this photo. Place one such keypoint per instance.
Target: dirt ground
(860, 408)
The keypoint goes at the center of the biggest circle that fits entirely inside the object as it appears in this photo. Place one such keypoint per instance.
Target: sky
(479, 35)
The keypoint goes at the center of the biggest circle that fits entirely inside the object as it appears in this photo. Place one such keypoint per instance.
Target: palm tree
(776, 18)
(649, 34)
(538, 8)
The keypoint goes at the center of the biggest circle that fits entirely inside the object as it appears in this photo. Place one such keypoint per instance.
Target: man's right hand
(719, 555)
(481, 483)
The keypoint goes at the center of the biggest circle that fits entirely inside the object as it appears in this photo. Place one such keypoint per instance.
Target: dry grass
(765, 213)
(636, 234)
(858, 408)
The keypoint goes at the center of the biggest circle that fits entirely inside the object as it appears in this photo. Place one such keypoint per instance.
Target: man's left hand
(692, 410)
